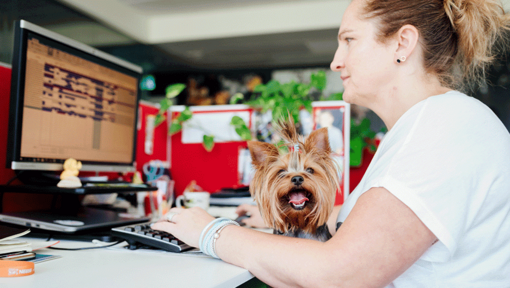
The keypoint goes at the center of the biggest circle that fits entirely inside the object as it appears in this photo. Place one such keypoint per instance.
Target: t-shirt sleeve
(433, 174)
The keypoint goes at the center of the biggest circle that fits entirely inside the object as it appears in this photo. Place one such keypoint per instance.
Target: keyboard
(143, 234)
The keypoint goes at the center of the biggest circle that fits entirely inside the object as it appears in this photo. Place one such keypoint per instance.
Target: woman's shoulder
(456, 101)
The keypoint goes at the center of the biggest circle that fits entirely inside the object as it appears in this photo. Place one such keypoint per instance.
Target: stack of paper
(8, 243)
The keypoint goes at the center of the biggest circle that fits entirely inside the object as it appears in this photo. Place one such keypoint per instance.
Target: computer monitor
(69, 100)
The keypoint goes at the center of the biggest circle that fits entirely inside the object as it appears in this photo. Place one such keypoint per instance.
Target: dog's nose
(297, 180)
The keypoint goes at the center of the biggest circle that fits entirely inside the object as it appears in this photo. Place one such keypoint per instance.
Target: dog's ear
(260, 151)
(318, 140)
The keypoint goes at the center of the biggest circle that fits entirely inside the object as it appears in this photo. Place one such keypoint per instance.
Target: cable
(13, 178)
(84, 248)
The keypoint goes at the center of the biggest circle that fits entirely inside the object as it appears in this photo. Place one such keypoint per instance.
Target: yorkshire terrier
(295, 191)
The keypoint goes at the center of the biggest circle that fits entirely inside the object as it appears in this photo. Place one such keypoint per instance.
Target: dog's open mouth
(298, 199)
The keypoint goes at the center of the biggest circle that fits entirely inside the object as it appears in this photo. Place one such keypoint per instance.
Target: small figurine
(68, 178)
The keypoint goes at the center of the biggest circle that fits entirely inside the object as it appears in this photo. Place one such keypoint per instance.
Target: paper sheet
(214, 123)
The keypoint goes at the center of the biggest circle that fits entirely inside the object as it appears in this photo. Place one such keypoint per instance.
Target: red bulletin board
(160, 150)
(211, 170)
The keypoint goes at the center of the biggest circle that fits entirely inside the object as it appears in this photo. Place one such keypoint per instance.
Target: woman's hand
(255, 219)
(186, 225)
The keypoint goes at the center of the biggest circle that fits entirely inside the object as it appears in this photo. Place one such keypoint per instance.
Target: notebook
(83, 220)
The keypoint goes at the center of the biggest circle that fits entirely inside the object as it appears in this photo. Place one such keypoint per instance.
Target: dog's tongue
(297, 198)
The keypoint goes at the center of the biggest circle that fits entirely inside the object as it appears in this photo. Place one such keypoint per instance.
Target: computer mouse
(240, 219)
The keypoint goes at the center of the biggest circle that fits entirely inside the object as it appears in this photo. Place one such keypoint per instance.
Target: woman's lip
(344, 78)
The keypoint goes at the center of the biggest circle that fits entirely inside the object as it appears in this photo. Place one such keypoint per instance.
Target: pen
(18, 257)
(12, 253)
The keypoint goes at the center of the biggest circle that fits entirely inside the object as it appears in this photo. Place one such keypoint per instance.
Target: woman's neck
(399, 97)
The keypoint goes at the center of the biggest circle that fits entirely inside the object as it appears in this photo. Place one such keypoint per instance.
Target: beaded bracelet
(201, 239)
(207, 241)
(209, 234)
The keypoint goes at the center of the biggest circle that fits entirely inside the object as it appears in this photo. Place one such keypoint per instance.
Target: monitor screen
(69, 100)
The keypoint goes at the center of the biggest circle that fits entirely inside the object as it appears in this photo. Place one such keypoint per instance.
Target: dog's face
(295, 189)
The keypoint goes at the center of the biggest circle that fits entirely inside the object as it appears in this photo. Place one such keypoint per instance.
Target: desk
(113, 267)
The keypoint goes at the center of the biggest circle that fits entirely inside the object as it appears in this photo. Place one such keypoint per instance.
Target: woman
(433, 208)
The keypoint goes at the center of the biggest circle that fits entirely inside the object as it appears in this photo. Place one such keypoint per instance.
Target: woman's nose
(338, 62)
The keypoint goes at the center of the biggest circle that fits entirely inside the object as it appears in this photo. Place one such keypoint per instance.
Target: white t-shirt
(448, 159)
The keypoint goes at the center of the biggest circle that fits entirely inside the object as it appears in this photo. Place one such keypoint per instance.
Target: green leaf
(303, 90)
(318, 80)
(308, 105)
(243, 132)
(273, 87)
(364, 125)
(159, 119)
(259, 88)
(174, 128)
(237, 121)
(236, 97)
(336, 96)
(356, 153)
(278, 113)
(174, 90)
(185, 115)
(288, 89)
(208, 142)
(240, 127)
(164, 105)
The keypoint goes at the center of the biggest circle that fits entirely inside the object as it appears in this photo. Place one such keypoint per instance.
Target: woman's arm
(378, 241)
(332, 219)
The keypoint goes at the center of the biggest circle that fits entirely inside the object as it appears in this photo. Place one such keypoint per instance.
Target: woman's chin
(347, 97)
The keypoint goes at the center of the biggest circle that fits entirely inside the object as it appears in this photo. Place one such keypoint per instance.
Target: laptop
(83, 220)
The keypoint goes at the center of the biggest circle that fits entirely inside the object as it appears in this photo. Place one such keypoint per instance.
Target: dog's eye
(309, 170)
(281, 171)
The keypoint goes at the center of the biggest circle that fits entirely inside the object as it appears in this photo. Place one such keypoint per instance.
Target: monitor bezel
(21, 32)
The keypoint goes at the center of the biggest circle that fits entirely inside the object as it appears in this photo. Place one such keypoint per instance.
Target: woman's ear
(407, 40)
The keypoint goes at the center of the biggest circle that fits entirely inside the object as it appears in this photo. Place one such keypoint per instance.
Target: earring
(402, 59)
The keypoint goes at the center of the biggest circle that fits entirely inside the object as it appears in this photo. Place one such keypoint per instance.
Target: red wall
(13, 201)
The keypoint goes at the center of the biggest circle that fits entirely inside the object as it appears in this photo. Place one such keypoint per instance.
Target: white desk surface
(115, 267)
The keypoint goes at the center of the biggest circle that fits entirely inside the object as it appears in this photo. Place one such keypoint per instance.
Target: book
(233, 201)
(7, 232)
(231, 197)
(8, 242)
(43, 258)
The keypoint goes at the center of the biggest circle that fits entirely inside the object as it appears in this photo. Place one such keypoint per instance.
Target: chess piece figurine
(68, 178)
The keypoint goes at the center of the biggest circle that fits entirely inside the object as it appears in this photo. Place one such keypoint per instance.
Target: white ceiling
(217, 33)
(178, 6)
(190, 20)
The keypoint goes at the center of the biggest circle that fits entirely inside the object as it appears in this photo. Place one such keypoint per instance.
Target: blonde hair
(459, 37)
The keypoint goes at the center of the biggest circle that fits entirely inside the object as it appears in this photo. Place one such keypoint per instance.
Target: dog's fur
(304, 173)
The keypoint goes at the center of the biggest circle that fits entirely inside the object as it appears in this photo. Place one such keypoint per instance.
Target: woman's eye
(348, 40)
(309, 170)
